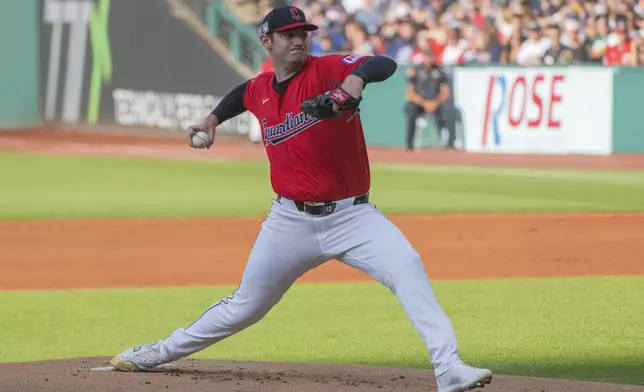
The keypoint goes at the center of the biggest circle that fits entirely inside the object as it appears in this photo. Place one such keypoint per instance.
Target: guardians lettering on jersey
(290, 127)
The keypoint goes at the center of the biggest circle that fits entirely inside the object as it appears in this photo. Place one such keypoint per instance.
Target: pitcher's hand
(209, 126)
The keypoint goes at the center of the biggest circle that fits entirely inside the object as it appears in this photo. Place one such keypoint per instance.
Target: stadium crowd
(461, 32)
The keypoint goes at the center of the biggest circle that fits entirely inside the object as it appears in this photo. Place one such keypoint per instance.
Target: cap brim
(307, 27)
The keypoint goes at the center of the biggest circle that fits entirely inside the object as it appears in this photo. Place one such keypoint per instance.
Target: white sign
(171, 111)
(535, 110)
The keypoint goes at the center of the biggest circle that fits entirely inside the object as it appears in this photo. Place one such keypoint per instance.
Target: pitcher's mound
(94, 374)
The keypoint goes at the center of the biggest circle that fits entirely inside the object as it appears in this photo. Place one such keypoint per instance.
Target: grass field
(73, 187)
(581, 328)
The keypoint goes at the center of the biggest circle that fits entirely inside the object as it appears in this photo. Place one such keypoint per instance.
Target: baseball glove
(322, 106)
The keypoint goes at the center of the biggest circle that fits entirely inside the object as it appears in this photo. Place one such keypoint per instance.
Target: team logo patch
(340, 97)
(265, 27)
(293, 125)
(295, 13)
(351, 59)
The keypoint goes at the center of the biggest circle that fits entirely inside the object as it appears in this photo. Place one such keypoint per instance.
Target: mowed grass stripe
(43, 187)
(581, 328)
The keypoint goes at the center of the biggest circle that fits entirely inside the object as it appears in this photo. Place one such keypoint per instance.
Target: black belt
(325, 208)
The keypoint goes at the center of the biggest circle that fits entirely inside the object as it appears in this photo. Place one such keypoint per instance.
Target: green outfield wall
(19, 63)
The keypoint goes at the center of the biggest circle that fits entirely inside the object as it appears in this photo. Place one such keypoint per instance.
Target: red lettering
(514, 122)
(537, 101)
(552, 123)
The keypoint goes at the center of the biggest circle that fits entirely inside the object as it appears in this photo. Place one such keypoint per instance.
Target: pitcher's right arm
(231, 106)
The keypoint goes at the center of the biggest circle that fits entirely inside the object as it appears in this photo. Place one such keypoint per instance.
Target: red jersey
(310, 159)
(618, 55)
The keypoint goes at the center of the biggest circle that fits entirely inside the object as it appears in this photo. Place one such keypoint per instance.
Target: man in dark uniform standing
(427, 92)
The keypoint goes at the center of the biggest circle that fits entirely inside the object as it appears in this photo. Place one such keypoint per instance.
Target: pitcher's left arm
(347, 97)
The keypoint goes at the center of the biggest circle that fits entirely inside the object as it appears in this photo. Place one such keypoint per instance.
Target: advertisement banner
(131, 64)
(552, 110)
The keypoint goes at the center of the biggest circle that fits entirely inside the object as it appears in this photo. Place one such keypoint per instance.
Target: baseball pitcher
(308, 108)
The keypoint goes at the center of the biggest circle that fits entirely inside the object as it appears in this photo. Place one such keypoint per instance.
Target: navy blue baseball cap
(285, 18)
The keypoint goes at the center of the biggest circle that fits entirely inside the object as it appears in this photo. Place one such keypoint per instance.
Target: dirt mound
(75, 375)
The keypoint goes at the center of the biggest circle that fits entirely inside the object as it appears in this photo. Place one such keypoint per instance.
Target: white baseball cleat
(140, 358)
(463, 378)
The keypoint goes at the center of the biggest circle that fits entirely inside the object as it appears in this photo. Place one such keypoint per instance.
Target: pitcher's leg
(277, 259)
(284, 250)
(262, 286)
(376, 246)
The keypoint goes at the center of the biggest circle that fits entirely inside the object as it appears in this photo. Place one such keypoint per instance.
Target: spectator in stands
(557, 54)
(401, 45)
(369, 17)
(576, 41)
(454, 52)
(619, 44)
(506, 23)
(638, 51)
(532, 50)
(639, 23)
(478, 48)
(513, 39)
(378, 44)
(639, 8)
(322, 45)
(477, 31)
(357, 41)
(598, 43)
(494, 45)
(422, 44)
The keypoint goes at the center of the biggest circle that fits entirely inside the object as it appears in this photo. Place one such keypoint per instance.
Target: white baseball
(200, 139)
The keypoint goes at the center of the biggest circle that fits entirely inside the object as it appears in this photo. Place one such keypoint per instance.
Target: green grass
(38, 187)
(579, 328)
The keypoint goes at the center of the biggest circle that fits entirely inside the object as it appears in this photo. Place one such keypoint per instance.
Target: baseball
(200, 139)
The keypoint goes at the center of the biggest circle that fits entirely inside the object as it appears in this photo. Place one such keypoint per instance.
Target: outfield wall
(19, 63)
(628, 107)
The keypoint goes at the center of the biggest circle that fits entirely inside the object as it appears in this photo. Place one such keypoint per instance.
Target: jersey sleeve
(339, 66)
(249, 94)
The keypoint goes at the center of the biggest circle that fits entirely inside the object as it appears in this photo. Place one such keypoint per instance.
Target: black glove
(322, 106)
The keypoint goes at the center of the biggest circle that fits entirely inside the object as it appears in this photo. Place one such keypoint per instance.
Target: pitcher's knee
(244, 313)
